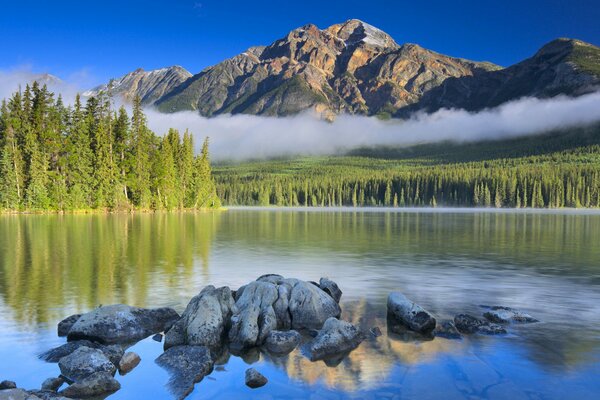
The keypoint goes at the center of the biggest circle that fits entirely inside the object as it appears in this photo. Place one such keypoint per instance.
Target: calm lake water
(547, 264)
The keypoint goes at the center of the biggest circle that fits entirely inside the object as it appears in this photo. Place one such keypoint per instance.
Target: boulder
(254, 316)
(16, 394)
(505, 315)
(466, 323)
(187, 366)
(282, 305)
(447, 329)
(205, 320)
(84, 362)
(120, 323)
(65, 325)
(128, 362)
(331, 288)
(52, 384)
(335, 338)
(409, 314)
(310, 306)
(7, 385)
(282, 342)
(95, 385)
(46, 395)
(255, 379)
(112, 352)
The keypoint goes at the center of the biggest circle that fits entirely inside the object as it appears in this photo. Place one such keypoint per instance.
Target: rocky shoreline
(272, 314)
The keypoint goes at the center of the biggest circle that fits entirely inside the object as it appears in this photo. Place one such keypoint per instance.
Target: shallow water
(545, 263)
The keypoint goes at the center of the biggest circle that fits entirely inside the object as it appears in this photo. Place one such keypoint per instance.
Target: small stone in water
(7, 385)
(158, 337)
(255, 379)
(52, 384)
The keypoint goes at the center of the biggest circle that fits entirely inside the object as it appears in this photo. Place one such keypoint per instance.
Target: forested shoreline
(89, 157)
(548, 171)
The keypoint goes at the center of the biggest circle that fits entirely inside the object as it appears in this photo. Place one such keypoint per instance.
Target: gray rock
(65, 325)
(335, 338)
(447, 329)
(204, 321)
(331, 288)
(112, 352)
(375, 331)
(94, 385)
(310, 306)
(254, 316)
(409, 313)
(84, 362)
(282, 342)
(504, 315)
(47, 395)
(52, 384)
(158, 337)
(187, 366)
(16, 394)
(7, 385)
(466, 323)
(281, 307)
(271, 278)
(255, 379)
(128, 362)
(120, 323)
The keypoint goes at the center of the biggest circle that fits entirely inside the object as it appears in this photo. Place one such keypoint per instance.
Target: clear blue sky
(110, 38)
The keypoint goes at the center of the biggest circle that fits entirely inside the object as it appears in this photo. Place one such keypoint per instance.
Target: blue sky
(97, 40)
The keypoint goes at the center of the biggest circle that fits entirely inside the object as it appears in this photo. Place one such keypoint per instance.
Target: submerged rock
(504, 315)
(128, 362)
(466, 323)
(84, 362)
(282, 342)
(409, 314)
(94, 385)
(120, 323)
(255, 379)
(447, 329)
(187, 366)
(331, 288)
(204, 321)
(335, 338)
(52, 384)
(7, 385)
(65, 325)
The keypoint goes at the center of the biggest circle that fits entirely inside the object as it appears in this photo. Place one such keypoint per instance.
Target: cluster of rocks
(405, 315)
(272, 314)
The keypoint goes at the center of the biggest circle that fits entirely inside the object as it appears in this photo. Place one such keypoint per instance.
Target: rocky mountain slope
(356, 68)
(149, 85)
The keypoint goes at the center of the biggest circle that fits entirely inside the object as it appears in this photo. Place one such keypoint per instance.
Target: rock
(255, 379)
(466, 323)
(84, 362)
(204, 321)
(331, 288)
(282, 305)
(310, 306)
(65, 325)
(112, 352)
(157, 338)
(271, 278)
(281, 342)
(7, 385)
(447, 329)
(254, 316)
(16, 394)
(409, 314)
(504, 315)
(335, 338)
(120, 323)
(129, 361)
(375, 331)
(94, 385)
(52, 384)
(46, 395)
(187, 365)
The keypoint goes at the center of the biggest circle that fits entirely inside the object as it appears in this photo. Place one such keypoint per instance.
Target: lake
(449, 261)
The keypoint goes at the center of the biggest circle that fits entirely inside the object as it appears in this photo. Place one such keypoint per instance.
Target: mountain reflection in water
(547, 264)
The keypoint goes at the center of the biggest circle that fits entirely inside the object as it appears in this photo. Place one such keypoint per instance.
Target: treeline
(564, 179)
(57, 157)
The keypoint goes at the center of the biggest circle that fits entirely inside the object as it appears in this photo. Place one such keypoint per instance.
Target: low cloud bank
(242, 137)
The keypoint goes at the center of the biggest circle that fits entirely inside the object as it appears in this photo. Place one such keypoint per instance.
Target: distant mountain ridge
(356, 68)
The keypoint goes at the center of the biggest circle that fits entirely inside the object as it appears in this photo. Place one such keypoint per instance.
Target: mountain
(563, 66)
(149, 85)
(356, 68)
(351, 67)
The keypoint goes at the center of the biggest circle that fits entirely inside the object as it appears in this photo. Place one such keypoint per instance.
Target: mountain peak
(354, 31)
